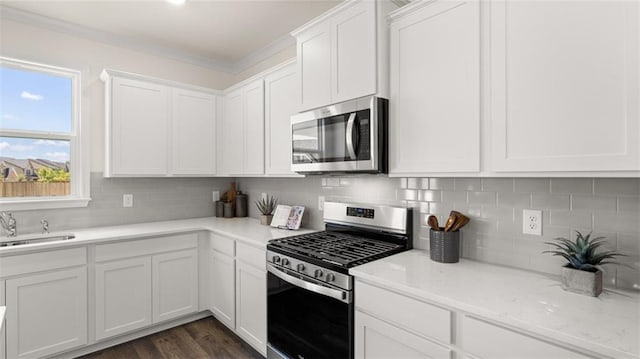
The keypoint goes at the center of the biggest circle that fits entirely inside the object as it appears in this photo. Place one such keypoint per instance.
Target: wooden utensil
(432, 221)
(461, 221)
(450, 221)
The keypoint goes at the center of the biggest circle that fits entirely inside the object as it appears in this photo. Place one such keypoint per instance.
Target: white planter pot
(266, 219)
(582, 282)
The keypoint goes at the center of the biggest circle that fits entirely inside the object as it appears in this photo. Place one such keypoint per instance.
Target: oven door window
(339, 138)
(304, 325)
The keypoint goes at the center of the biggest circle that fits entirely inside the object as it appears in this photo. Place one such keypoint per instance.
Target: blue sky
(34, 101)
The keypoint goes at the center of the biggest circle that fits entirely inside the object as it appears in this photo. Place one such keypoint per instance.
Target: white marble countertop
(248, 230)
(535, 302)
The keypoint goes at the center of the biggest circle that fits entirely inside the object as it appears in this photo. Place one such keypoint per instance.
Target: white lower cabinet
(251, 304)
(222, 288)
(175, 284)
(3, 347)
(375, 338)
(123, 296)
(46, 313)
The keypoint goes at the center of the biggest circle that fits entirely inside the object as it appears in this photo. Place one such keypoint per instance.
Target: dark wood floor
(204, 338)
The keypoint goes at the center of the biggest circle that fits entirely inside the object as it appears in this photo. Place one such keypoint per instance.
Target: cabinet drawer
(487, 340)
(222, 244)
(37, 262)
(426, 319)
(143, 247)
(251, 255)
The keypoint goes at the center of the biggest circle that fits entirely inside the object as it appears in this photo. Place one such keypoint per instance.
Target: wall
(608, 207)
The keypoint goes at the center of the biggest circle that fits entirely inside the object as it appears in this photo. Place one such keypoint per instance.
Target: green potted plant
(266, 206)
(582, 273)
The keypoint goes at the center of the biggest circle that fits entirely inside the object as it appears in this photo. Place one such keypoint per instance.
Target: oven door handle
(340, 295)
(349, 136)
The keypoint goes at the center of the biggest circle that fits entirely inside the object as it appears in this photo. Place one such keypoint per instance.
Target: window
(41, 159)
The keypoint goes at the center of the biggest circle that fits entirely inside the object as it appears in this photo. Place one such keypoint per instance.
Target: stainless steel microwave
(346, 137)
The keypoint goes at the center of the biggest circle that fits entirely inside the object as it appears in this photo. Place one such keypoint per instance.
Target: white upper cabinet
(137, 141)
(193, 149)
(157, 128)
(434, 121)
(279, 88)
(242, 133)
(343, 54)
(565, 86)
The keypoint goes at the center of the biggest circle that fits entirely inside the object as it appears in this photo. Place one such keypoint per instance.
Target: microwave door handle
(349, 136)
(329, 292)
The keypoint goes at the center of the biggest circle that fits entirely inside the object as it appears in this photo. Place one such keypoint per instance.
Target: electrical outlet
(532, 222)
(321, 203)
(127, 200)
(215, 196)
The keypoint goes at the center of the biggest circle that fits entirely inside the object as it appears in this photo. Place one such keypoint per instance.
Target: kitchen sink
(40, 238)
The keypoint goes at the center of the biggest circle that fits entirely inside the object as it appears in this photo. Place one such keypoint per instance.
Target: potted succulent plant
(266, 206)
(582, 273)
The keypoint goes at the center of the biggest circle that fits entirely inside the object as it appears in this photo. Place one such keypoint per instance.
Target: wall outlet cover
(127, 200)
(321, 203)
(215, 196)
(532, 222)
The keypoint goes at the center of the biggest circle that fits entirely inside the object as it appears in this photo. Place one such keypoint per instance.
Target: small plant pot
(265, 219)
(582, 282)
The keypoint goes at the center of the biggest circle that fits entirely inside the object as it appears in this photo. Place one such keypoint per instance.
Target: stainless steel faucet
(45, 226)
(8, 224)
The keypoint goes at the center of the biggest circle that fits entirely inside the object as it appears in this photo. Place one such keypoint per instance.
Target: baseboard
(96, 346)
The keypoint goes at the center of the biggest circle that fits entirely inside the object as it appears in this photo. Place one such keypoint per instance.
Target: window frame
(78, 139)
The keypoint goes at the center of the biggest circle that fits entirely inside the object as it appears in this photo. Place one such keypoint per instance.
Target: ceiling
(218, 32)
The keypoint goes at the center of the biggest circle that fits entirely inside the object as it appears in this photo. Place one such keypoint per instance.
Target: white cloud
(57, 156)
(17, 148)
(30, 96)
(51, 143)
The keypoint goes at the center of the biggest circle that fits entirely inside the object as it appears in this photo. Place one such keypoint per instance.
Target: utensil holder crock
(444, 247)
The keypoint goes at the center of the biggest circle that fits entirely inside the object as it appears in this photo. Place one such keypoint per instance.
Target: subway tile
(522, 200)
(551, 201)
(628, 278)
(440, 210)
(593, 203)
(430, 196)
(412, 183)
(540, 185)
(497, 213)
(424, 183)
(629, 243)
(484, 226)
(445, 184)
(454, 197)
(570, 219)
(467, 184)
(620, 222)
(423, 207)
(572, 185)
(403, 183)
(473, 211)
(345, 181)
(617, 186)
(497, 184)
(629, 204)
(482, 198)
(333, 182)
(407, 194)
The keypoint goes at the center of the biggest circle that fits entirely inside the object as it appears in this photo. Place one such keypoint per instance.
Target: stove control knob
(275, 259)
(318, 273)
(301, 267)
(330, 277)
(285, 261)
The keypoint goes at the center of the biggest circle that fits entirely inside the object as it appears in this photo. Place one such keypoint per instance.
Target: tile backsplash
(607, 207)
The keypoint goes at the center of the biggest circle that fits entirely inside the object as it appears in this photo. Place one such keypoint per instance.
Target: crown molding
(233, 68)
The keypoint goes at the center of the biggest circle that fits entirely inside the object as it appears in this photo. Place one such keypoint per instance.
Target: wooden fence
(34, 189)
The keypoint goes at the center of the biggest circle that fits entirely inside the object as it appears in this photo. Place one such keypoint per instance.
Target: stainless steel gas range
(310, 292)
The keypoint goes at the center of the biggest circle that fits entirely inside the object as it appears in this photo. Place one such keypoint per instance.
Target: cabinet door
(565, 97)
(254, 128)
(375, 338)
(193, 144)
(434, 121)
(175, 284)
(314, 66)
(353, 67)
(123, 296)
(222, 295)
(231, 135)
(280, 88)
(138, 129)
(251, 304)
(46, 313)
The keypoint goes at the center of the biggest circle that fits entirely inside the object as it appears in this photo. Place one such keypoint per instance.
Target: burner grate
(338, 248)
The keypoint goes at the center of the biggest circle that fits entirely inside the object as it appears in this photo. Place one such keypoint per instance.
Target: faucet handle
(45, 226)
